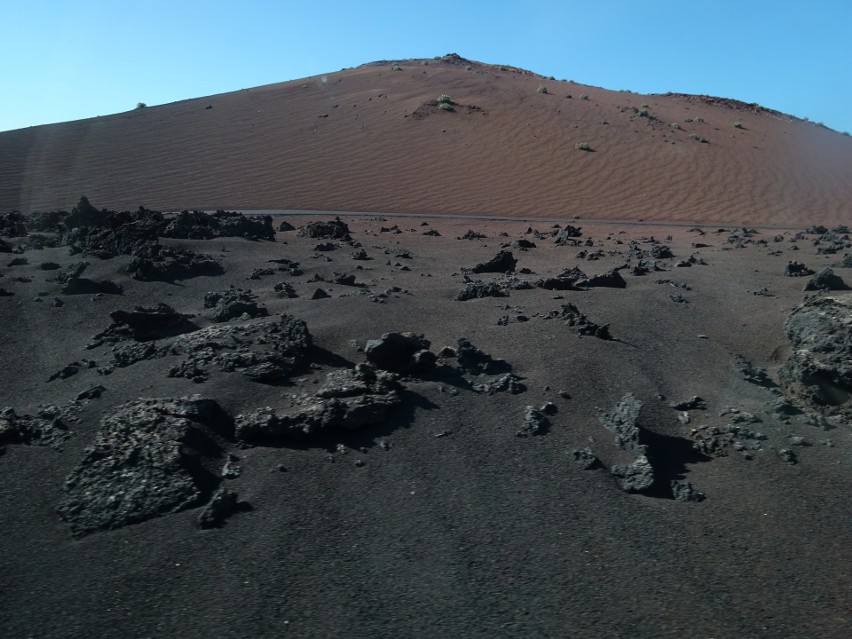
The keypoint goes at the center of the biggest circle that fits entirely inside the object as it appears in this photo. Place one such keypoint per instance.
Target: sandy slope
(364, 139)
(478, 533)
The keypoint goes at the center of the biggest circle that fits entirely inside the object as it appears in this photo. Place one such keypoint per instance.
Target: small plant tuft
(542, 89)
(444, 99)
(738, 125)
(141, 105)
(583, 146)
(675, 126)
(583, 96)
(445, 106)
(396, 67)
(700, 120)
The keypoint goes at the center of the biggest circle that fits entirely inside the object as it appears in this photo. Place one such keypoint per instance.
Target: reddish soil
(354, 140)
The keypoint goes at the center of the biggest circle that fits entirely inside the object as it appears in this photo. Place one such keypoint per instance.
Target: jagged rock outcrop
(573, 317)
(349, 399)
(567, 280)
(48, 427)
(638, 475)
(144, 323)
(661, 252)
(335, 229)
(13, 224)
(267, 352)
(106, 234)
(233, 303)
(72, 284)
(158, 263)
(198, 225)
(474, 289)
(623, 423)
(150, 458)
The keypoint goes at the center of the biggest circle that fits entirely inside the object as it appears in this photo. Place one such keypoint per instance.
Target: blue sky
(70, 60)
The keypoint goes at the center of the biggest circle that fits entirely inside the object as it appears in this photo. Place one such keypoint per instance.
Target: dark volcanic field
(445, 511)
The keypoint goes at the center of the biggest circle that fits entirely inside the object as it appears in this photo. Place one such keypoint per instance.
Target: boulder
(818, 371)
(535, 423)
(221, 506)
(826, 280)
(566, 235)
(503, 262)
(146, 323)
(472, 360)
(797, 269)
(610, 279)
(635, 477)
(661, 252)
(399, 353)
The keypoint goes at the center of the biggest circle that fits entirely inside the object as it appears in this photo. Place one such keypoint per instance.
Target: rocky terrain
(214, 424)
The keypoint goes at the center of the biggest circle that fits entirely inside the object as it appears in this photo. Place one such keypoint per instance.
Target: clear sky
(65, 60)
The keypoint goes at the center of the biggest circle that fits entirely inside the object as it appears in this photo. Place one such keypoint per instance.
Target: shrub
(396, 67)
(141, 105)
(583, 96)
(700, 120)
(542, 89)
(643, 106)
(444, 99)
(698, 138)
(583, 146)
(738, 125)
(675, 126)
(446, 106)
(468, 67)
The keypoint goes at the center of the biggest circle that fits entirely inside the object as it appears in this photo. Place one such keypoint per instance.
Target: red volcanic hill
(376, 138)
